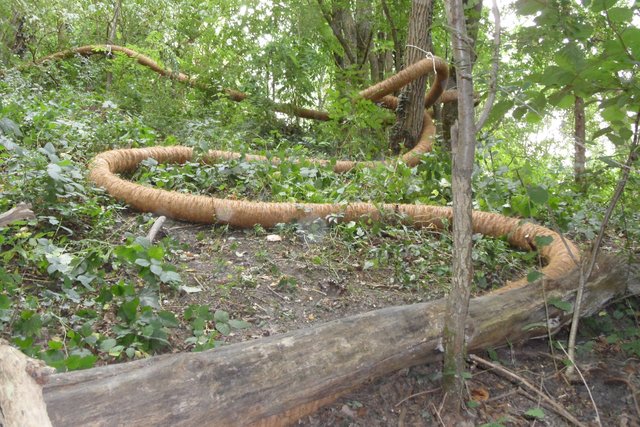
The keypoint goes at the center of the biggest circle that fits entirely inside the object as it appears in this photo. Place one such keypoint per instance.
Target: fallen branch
(155, 228)
(20, 212)
(518, 379)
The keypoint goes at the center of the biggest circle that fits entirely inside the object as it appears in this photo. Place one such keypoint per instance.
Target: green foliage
(75, 292)
(535, 413)
(207, 326)
(615, 329)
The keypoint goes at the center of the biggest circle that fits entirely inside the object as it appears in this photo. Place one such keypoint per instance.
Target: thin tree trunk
(580, 156)
(111, 34)
(397, 44)
(463, 150)
(410, 111)
(449, 113)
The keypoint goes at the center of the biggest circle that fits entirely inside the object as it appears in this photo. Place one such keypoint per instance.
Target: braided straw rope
(561, 255)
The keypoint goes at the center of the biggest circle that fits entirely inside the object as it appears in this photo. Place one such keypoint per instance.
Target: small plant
(207, 326)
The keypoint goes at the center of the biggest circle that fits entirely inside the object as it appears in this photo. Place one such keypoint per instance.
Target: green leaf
(75, 362)
(5, 302)
(156, 269)
(155, 252)
(562, 99)
(129, 310)
(55, 345)
(542, 241)
(239, 324)
(533, 276)
(107, 344)
(223, 328)
(170, 277)
(168, 319)
(143, 262)
(536, 413)
(631, 38)
(600, 5)
(54, 171)
(538, 195)
(613, 113)
(565, 306)
(221, 316)
(197, 325)
(620, 14)
(9, 127)
(529, 7)
(570, 58)
(29, 324)
(532, 117)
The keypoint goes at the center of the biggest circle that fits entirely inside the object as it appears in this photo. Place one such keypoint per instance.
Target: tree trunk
(276, 380)
(410, 111)
(463, 136)
(398, 49)
(111, 34)
(580, 156)
(449, 113)
(21, 37)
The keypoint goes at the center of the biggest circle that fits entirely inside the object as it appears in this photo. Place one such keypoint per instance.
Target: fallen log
(275, 381)
(20, 212)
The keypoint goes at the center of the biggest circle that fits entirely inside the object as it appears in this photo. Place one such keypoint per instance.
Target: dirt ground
(280, 281)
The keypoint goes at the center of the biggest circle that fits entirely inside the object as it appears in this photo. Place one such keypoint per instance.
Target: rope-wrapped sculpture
(561, 255)
(276, 380)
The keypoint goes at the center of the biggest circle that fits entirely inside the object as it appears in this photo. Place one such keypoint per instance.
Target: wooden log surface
(21, 402)
(276, 380)
(21, 211)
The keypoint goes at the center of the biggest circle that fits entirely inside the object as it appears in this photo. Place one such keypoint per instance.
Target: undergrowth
(80, 287)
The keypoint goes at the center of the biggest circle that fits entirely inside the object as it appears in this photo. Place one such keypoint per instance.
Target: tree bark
(20, 212)
(449, 113)
(111, 34)
(463, 136)
(276, 380)
(397, 44)
(21, 401)
(580, 156)
(410, 111)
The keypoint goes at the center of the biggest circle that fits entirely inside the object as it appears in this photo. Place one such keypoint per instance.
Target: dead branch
(518, 379)
(155, 228)
(20, 212)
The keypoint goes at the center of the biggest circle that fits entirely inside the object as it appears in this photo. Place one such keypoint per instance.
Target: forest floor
(286, 281)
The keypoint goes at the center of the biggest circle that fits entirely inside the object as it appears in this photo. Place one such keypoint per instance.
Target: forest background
(562, 133)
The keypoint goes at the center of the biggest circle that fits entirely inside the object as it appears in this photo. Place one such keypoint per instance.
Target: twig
(437, 412)
(584, 275)
(493, 80)
(433, 390)
(155, 228)
(584, 381)
(514, 377)
(501, 396)
(394, 36)
(195, 277)
(277, 294)
(313, 290)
